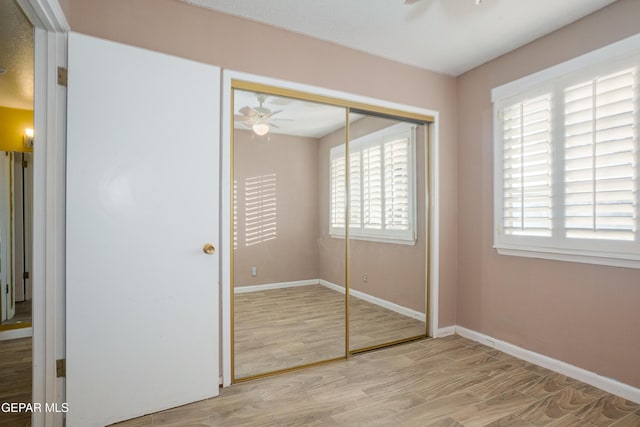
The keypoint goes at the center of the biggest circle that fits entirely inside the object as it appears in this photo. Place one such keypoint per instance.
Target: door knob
(208, 249)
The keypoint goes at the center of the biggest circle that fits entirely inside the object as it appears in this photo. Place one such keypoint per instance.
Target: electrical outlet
(365, 278)
(254, 271)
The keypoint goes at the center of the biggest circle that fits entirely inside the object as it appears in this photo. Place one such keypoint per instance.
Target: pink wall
(229, 42)
(282, 171)
(586, 315)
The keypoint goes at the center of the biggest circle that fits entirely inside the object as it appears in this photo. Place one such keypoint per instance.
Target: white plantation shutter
(566, 161)
(338, 197)
(381, 186)
(600, 158)
(527, 173)
(355, 184)
(372, 196)
(396, 184)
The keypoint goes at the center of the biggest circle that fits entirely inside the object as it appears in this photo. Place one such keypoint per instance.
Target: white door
(142, 200)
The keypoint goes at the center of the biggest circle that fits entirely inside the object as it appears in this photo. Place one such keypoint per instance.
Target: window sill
(581, 256)
(376, 239)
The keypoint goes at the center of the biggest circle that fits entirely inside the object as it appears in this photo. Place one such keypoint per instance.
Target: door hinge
(61, 368)
(25, 164)
(25, 275)
(62, 76)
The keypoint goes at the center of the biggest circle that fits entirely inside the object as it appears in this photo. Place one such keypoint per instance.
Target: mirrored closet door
(329, 229)
(284, 315)
(387, 231)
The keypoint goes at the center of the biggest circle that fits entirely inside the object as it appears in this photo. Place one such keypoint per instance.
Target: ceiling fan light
(260, 129)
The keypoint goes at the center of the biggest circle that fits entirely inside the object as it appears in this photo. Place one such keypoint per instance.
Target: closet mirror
(329, 228)
(284, 314)
(387, 230)
(16, 189)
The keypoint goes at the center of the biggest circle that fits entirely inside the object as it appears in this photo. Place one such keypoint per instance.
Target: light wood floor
(448, 382)
(15, 379)
(23, 314)
(283, 328)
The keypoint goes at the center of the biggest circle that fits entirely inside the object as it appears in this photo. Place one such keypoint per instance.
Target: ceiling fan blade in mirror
(248, 111)
(280, 101)
(269, 115)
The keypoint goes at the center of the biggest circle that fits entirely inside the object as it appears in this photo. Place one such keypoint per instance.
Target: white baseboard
(16, 333)
(446, 331)
(378, 301)
(607, 384)
(332, 286)
(269, 286)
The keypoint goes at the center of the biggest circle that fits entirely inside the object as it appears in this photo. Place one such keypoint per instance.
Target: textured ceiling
(448, 36)
(16, 57)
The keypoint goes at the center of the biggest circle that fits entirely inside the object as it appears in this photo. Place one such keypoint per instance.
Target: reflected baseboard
(358, 294)
(270, 286)
(12, 334)
(377, 301)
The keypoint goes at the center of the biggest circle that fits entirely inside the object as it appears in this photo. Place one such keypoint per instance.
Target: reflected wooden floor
(283, 328)
(371, 325)
(445, 382)
(23, 314)
(15, 379)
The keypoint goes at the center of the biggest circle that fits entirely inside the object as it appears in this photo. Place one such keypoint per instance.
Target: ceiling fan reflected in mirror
(259, 118)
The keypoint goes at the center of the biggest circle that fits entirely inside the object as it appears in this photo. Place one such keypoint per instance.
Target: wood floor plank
(15, 379)
(496, 408)
(606, 410)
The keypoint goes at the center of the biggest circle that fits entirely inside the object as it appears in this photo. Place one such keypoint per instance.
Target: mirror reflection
(16, 187)
(287, 312)
(387, 230)
(16, 167)
(320, 192)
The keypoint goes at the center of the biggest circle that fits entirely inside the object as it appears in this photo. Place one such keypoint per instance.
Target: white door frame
(51, 28)
(225, 195)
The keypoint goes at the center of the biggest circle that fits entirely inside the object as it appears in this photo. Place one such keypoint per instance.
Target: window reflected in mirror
(387, 230)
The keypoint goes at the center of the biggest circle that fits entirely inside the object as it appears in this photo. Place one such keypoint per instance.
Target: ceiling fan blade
(241, 118)
(273, 125)
(281, 101)
(248, 111)
(269, 115)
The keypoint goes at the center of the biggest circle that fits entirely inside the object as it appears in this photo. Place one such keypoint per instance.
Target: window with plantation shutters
(381, 186)
(600, 150)
(566, 161)
(527, 167)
